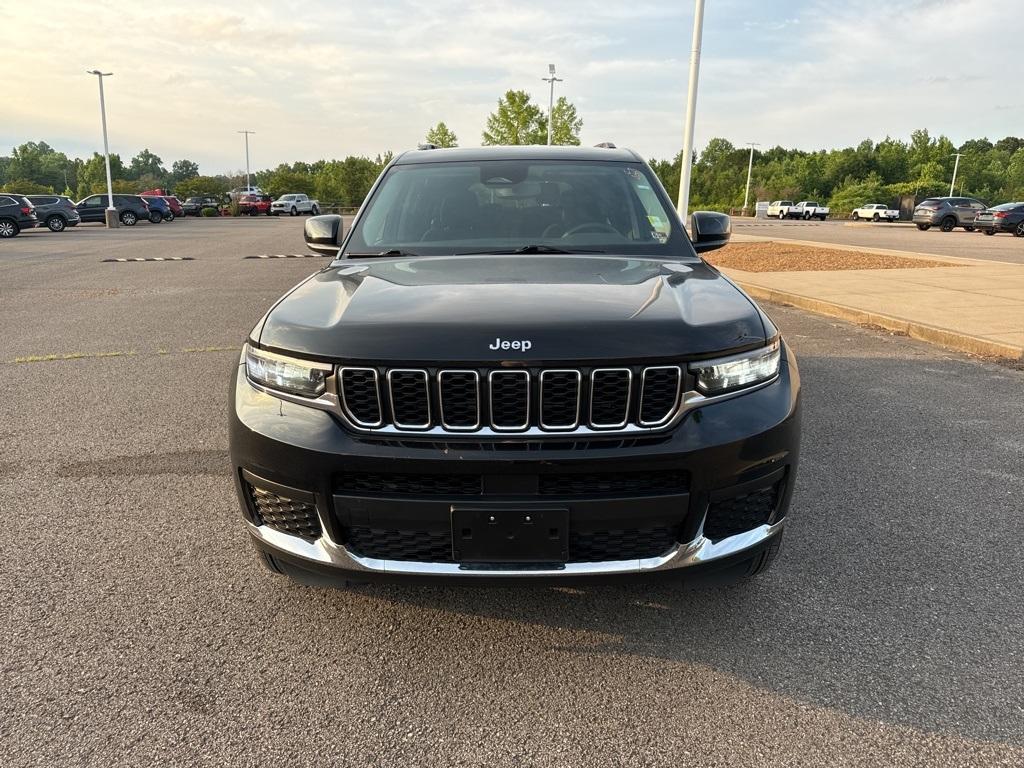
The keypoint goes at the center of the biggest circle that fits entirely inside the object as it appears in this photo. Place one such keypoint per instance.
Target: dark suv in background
(947, 213)
(193, 206)
(130, 208)
(16, 214)
(57, 212)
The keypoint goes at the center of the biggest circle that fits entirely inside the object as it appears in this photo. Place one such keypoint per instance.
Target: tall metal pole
(956, 165)
(691, 111)
(551, 100)
(111, 213)
(750, 169)
(247, 185)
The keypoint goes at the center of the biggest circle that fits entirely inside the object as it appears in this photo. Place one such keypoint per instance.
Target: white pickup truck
(875, 212)
(294, 204)
(808, 209)
(779, 209)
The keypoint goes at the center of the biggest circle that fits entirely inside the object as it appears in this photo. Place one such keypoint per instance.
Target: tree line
(842, 178)
(846, 178)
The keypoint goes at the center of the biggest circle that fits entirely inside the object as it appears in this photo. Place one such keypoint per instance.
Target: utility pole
(750, 169)
(247, 132)
(956, 165)
(683, 204)
(551, 100)
(110, 215)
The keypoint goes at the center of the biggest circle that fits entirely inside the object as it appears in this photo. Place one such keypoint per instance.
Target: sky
(329, 79)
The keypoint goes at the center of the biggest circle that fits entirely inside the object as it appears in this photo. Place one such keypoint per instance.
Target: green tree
(516, 121)
(183, 169)
(442, 136)
(565, 123)
(25, 187)
(202, 186)
(146, 164)
(92, 177)
(284, 180)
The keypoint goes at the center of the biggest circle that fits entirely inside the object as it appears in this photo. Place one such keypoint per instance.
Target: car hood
(460, 308)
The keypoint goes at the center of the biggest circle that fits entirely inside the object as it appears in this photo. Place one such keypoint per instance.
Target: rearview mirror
(709, 230)
(324, 233)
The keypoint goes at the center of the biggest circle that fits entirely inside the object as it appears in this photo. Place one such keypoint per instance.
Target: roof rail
(427, 146)
(606, 145)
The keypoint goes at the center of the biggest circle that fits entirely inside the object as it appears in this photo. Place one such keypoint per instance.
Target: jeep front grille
(523, 400)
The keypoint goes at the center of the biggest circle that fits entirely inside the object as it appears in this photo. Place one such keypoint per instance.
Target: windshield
(507, 205)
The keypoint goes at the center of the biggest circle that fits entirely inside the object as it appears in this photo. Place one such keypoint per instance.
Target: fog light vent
(728, 517)
(298, 518)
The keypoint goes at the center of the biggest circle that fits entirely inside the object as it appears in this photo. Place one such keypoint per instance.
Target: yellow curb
(942, 336)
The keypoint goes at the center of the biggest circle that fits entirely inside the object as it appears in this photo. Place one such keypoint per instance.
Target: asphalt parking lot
(138, 628)
(900, 237)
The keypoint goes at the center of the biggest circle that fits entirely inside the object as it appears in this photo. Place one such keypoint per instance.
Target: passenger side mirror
(324, 233)
(709, 230)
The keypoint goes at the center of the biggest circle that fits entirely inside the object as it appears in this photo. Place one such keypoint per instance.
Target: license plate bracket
(507, 535)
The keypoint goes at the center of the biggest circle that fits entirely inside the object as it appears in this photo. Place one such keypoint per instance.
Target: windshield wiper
(391, 252)
(532, 249)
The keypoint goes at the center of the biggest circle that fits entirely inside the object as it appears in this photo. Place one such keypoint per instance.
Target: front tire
(875, 218)
(968, 229)
(294, 211)
(948, 224)
(855, 216)
(314, 211)
(128, 219)
(56, 224)
(924, 227)
(8, 228)
(155, 217)
(1019, 231)
(169, 216)
(991, 232)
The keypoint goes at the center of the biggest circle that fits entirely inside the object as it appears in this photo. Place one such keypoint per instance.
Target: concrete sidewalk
(973, 306)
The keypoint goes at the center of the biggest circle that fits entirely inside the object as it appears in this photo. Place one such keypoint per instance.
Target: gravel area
(787, 257)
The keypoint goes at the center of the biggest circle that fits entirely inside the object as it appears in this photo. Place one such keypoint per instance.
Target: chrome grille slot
(360, 396)
(509, 399)
(459, 396)
(609, 397)
(559, 399)
(659, 394)
(410, 398)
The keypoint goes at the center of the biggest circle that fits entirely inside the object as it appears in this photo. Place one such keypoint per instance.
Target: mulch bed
(787, 257)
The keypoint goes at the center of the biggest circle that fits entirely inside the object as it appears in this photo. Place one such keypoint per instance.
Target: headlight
(744, 370)
(287, 374)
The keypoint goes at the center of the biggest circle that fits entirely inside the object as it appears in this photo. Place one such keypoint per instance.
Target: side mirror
(323, 234)
(710, 230)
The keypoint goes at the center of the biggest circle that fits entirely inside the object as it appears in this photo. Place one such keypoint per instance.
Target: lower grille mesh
(741, 513)
(398, 484)
(614, 483)
(298, 518)
(621, 544)
(384, 544)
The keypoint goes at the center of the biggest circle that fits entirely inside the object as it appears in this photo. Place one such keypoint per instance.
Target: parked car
(193, 206)
(947, 213)
(294, 204)
(130, 209)
(16, 214)
(56, 212)
(159, 209)
(255, 204)
(1008, 217)
(240, 192)
(875, 212)
(779, 209)
(807, 210)
(488, 299)
(175, 205)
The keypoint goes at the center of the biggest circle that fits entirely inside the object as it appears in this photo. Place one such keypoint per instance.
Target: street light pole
(750, 169)
(247, 185)
(111, 213)
(683, 204)
(551, 100)
(956, 165)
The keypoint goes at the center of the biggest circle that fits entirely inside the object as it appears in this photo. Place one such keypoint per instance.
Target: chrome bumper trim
(701, 550)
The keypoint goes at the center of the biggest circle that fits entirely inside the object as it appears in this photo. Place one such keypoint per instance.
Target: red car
(173, 202)
(254, 204)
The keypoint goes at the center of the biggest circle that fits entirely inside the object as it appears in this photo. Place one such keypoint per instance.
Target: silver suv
(57, 212)
(947, 213)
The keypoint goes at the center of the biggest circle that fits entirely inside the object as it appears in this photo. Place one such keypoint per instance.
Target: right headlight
(725, 374)
(286, 374)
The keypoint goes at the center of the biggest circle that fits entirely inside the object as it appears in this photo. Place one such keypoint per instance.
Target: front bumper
(727, 450)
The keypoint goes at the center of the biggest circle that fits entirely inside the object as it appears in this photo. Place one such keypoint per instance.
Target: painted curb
(941, 336)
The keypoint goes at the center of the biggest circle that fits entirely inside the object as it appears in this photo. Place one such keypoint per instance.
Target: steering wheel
(592, 226)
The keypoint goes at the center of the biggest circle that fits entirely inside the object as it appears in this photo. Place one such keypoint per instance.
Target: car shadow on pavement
(896, 595)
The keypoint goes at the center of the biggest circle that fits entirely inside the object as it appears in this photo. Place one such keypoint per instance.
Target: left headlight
(287, 374)
(737, 371)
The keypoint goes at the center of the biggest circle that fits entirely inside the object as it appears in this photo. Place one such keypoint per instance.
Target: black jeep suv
(130, 209)
(516, 367)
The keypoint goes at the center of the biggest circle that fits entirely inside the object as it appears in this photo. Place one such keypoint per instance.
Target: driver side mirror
(324, 233)
(709, 230)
